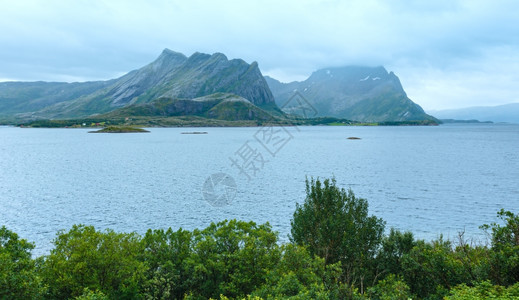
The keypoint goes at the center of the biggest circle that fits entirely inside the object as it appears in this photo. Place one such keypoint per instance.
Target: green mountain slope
(356, 93)
(171, 75)
(24, 97)
(221, 106)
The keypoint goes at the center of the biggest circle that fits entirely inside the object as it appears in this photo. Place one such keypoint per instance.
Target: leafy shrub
(18, 277)
(335, 225)
(100, 261)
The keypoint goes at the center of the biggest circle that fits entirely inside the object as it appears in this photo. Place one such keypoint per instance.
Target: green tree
(18, 277)
(302, 276)
(390, 288)
(504, 257)
(336, 226)
(166, 254)
(100, 261)
(474, 259)
(232, 258)
(484, 290)
(432, 269)
(90, 295)
(394, 247)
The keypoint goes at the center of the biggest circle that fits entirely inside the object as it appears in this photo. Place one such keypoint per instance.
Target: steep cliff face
(171, 75)
(203, 74)
(139, 81)
(356, 93)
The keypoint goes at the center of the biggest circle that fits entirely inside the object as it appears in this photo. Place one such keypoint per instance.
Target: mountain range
(502, 113)
(213, 87)
(172, 75)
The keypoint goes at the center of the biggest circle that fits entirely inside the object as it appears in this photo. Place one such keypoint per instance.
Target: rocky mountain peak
(171, 56)
(197, 58)
(219, 56)
(361, 93)
(171, 53)
(168, 60)
(350, 73)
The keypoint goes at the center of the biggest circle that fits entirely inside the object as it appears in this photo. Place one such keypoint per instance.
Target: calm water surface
(429, 180)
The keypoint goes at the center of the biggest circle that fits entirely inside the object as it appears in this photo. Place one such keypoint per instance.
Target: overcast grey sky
(448, 54)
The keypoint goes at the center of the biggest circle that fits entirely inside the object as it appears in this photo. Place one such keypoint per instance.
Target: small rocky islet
(120, 129)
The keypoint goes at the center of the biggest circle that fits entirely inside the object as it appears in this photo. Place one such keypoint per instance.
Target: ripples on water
(429, 180)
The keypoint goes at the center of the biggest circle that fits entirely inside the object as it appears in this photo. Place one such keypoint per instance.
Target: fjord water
(430, 180)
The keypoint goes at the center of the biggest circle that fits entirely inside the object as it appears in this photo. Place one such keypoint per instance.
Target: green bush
(335, 225)
(337, 251)
(393, 248)
(90, 295)
(18, 277)
(301, 275)
(504, 257)
(391, 288)
(484, 290)
(232, 258)
(431, 269)
(100, 261)
(167, 254)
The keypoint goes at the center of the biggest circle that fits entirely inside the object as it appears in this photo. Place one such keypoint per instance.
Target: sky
(447, 54)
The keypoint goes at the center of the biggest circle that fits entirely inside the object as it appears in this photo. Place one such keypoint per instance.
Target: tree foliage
(167, 254)
(232, 258)
(337, 251)
(393, 248)
(303, 276)
(334, 224)
(100, 261)
(390, 288)
(505, 245)
(18, 279)
(484, 290)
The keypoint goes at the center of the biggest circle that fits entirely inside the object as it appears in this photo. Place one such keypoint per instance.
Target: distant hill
(172, 75)
(357, 93)
(24, 97)
(502, 113)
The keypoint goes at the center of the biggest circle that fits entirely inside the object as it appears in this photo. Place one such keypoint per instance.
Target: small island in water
(120, 129)
(194, 132)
